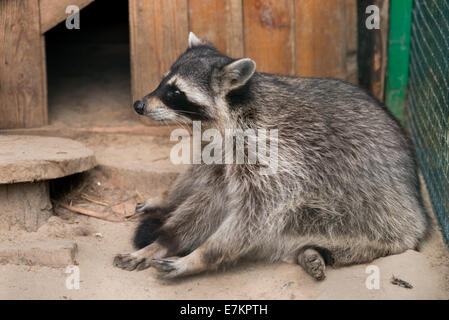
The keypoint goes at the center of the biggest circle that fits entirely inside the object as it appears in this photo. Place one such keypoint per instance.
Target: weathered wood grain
(372, 53)
(159, 33)
(351, 41)
(320, 38)
(23, 92)
(220, 22)
(269, 34)
(53, 11)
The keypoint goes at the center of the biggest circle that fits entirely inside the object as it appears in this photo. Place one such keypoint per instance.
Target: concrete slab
(55, 253)
(134, 162)
(32, 158)
(26, 165)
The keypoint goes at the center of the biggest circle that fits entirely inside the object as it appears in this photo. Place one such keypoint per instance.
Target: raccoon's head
(196, 86)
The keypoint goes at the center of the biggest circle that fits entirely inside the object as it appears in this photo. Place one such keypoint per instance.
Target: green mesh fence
(428, 105)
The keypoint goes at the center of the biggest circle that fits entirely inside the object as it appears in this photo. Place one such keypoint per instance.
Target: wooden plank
(373, 45)
(351, 41)
(22, 66)
(320, 38)
(381, 51)
(269, 34)
(159, 33)
(53, 11)
(351, 25)
(220, 22)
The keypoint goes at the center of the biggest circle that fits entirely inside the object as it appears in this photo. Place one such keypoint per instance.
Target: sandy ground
(98, 241)
(427, 272)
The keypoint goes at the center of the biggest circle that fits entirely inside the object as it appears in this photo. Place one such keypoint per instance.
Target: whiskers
(173, 116)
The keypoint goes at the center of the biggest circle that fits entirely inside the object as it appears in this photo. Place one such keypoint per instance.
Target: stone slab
(33, 158)
(55, 254)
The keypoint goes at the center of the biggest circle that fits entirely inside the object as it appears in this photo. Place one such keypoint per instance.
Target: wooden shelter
(298, 37)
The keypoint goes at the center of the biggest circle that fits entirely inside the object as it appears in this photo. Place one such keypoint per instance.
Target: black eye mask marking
(176, 100)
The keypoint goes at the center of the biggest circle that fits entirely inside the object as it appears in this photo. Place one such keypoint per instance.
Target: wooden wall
(23, 78)
(373, 46)
(303, 37)
(23, 91)
(316, 38)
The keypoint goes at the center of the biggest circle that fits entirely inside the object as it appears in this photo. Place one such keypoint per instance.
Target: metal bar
(398, 56)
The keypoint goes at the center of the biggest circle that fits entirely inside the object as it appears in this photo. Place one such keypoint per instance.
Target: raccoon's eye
(174, 91)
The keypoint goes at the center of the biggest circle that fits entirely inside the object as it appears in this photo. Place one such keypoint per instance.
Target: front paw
(130, 262)
(170, 268)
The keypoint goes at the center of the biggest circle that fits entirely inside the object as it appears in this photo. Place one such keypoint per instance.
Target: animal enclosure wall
(305, 38)
(297, 37)
(23, 91)
(428, 107)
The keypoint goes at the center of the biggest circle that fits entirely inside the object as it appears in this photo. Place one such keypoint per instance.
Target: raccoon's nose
(139, 106)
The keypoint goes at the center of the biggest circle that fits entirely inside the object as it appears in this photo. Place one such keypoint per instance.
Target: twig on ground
(86, 197)
(134, 216)
(88, 212)
(124, 207)
(128, 215)
(140, 196)
(122, 201)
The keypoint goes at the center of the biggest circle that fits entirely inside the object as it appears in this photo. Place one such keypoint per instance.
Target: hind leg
(140, 259)
(313, 263)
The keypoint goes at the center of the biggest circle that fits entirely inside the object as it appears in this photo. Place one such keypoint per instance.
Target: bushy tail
(148, 229)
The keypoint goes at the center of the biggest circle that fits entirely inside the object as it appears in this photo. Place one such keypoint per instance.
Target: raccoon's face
(196, 86)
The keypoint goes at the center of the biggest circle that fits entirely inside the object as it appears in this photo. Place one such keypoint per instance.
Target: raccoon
(345, 190)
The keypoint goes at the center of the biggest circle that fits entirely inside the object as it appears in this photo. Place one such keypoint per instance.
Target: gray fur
(346, 183)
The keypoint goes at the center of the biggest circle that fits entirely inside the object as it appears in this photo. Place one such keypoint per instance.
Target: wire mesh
(428, 107)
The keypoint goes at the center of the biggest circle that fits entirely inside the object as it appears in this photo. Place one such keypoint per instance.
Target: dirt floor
(98, 241)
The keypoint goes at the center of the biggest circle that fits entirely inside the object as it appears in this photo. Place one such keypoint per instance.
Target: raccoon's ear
(237, 73)
(194, 40)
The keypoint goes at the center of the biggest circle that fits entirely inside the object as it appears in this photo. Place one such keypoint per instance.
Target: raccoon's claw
(130, 262)
(150, 204)
(122, 260)
(316, 268)
(165, 265)
(313, 263)
(140, 207)
(169, 268)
